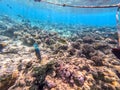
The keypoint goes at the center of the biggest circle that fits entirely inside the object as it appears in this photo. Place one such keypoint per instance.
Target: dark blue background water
(42, 12)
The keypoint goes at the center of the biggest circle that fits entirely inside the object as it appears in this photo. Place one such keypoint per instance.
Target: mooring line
(76, 6)
(100, 6)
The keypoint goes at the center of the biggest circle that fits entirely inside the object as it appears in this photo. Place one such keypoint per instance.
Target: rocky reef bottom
(82, 61)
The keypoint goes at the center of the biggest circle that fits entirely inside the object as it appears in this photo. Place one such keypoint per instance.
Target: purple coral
(51, 85)
(81, 80)
(67, 76)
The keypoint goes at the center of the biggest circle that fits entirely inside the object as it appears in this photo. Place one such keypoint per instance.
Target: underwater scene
(59, 45)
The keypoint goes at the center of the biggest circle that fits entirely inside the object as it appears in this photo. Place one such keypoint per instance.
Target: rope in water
(75, 6)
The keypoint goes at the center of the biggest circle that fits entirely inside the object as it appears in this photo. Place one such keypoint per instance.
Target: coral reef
(77, 59)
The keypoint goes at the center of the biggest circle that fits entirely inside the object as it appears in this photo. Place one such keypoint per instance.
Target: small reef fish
(19, 16)
(2, 45)
(37, 51)
(9, 6)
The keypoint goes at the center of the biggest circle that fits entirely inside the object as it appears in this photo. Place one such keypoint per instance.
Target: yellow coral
(115, 83)
(15, 74)
(3, 45)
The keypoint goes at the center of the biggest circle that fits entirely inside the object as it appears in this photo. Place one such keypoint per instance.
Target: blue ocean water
(46, 13)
